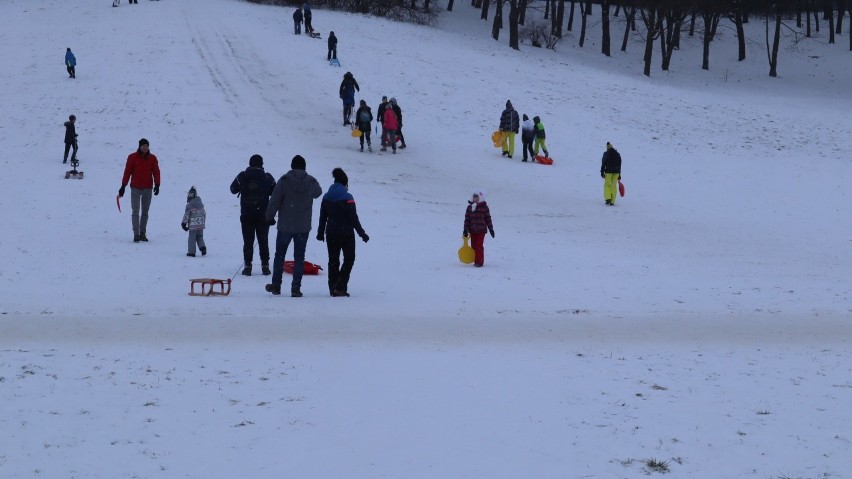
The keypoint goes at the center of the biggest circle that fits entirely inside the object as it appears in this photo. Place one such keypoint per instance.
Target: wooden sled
(208, 287)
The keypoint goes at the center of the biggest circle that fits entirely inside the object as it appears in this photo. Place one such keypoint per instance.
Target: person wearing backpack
(611, 173)
(254, 186)
(527, 138)
(348, 87)
(363, 117)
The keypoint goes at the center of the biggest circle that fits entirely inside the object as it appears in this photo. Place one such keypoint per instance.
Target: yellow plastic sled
(466, 253)
(356, 133)
(497, 138)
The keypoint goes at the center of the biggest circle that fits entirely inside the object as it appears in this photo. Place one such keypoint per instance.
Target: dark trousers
(255, 227)
(338, 275)
(308, 27)
(71, 72)
(298, 26)
(528, 147)
(69, 146)
(282, 242)
(332, 53)
(365, 134)
(401, 137)
(347, 114)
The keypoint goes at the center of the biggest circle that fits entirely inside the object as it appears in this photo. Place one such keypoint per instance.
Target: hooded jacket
(292, 200)
(363, 111)
(528, 130)
(338, 215)
(389, 120)
(347, 89)
(611, 161)
(144, 170)
(254, 185)
(509, 120)
(70, 59)
(194, 216)
(297, 15)
(70, 133)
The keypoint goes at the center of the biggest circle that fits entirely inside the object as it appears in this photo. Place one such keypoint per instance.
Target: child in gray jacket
(193, 221)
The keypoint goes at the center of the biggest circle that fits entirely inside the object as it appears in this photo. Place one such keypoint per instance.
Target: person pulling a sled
(611, 173)
(70, 139)
(539, 137)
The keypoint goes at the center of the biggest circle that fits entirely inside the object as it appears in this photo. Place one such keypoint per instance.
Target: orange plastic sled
(544, 160)
(310, 268)
(497, 138)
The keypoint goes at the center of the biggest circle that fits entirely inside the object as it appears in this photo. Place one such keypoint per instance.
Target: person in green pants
(611, 173)
(539, 137)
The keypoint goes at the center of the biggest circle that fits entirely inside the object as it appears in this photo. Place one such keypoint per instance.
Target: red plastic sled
(544, 160)
(620, 188)
(310, 268)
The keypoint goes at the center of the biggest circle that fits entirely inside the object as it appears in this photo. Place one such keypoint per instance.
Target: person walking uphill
(539, 137)
(477, 221)
(338, 218)
(398, 111)
(332, 46)
(254, 186)
(70, 139)
(292, 199)
(70, 63)
(309, 29)
(143, 173)
(347, 93)
(509, 124)
(297, 20)
(611, 173)
(527, 138)
(364, 116)
(390, 125)
(194, 219)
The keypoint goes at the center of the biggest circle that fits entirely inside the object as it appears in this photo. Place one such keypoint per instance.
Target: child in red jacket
(477, 221)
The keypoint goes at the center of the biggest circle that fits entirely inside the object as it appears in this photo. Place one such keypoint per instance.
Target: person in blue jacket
(338, 218)
(70, 63)
(332, 46)
(347, 93)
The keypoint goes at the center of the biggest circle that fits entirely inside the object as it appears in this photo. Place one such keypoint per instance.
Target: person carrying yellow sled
(509, 124)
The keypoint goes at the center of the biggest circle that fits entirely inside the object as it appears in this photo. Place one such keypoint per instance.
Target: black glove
(156, 190)
(492, 233)
(365, 237)
(320, 237)
(464, 233)
(619, 177)
(271, 222)
(184, 226)
(121, 192)
(603, 175)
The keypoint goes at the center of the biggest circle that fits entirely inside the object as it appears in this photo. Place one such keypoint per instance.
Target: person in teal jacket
(70, 63)
(539, 137)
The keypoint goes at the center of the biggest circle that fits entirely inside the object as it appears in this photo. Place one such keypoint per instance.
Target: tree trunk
(692, 25)
(560, 17)
(710, 20)
(773, 54)
(629, 16)
(841, 7)
(829, 13)
(571, 16)
(498, 20)
(513, 24)
(553, 18)
(605, 27)
(582, 24)
(738, 22)
(450, 5)
(649, 17)
(485, 4)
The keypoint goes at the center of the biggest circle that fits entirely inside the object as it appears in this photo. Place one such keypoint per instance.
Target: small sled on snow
(334, 62)
(544, 160)
(311, 269)
(314, 34)
(209, 287)
(356, 133)
(466, 253)
(620, 188)
(73, 174)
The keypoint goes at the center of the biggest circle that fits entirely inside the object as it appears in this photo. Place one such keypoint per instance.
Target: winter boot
(203, 250)
(274, 289)
(142, 237)
(295, 293)
(136, 238)
(265, 269)
(247, 271)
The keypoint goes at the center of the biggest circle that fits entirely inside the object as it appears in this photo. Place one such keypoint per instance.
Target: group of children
(532, 133)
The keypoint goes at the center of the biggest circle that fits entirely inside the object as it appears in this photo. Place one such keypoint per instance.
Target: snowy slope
(721, 277)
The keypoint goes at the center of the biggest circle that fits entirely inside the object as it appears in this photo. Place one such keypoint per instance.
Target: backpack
(364, 116)
(252, 192)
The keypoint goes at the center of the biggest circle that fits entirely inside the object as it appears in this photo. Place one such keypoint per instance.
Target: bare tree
(605, 41)
(513, 24)
(630, 24)
(772, 51)
(653, 25)
(711, 20)
(498, 19)
(582, 24)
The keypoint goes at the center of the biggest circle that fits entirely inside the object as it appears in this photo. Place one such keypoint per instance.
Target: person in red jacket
(143, 173)
(390, 123)
(477, 221)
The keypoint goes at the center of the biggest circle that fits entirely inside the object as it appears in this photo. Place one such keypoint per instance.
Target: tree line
(661, 22)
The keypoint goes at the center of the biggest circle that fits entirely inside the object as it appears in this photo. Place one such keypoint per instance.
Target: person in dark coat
(528, 137)
(363, 117)
(338, 223)
(380, 115)
(254, 186)
(70, 63)
(332, 46)
(477, 221)
(611, 173)
(398, 111)
(348, 87)
(70, 139)
(509, 124)
(297, 20)
(309, 29)
(292, 200)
